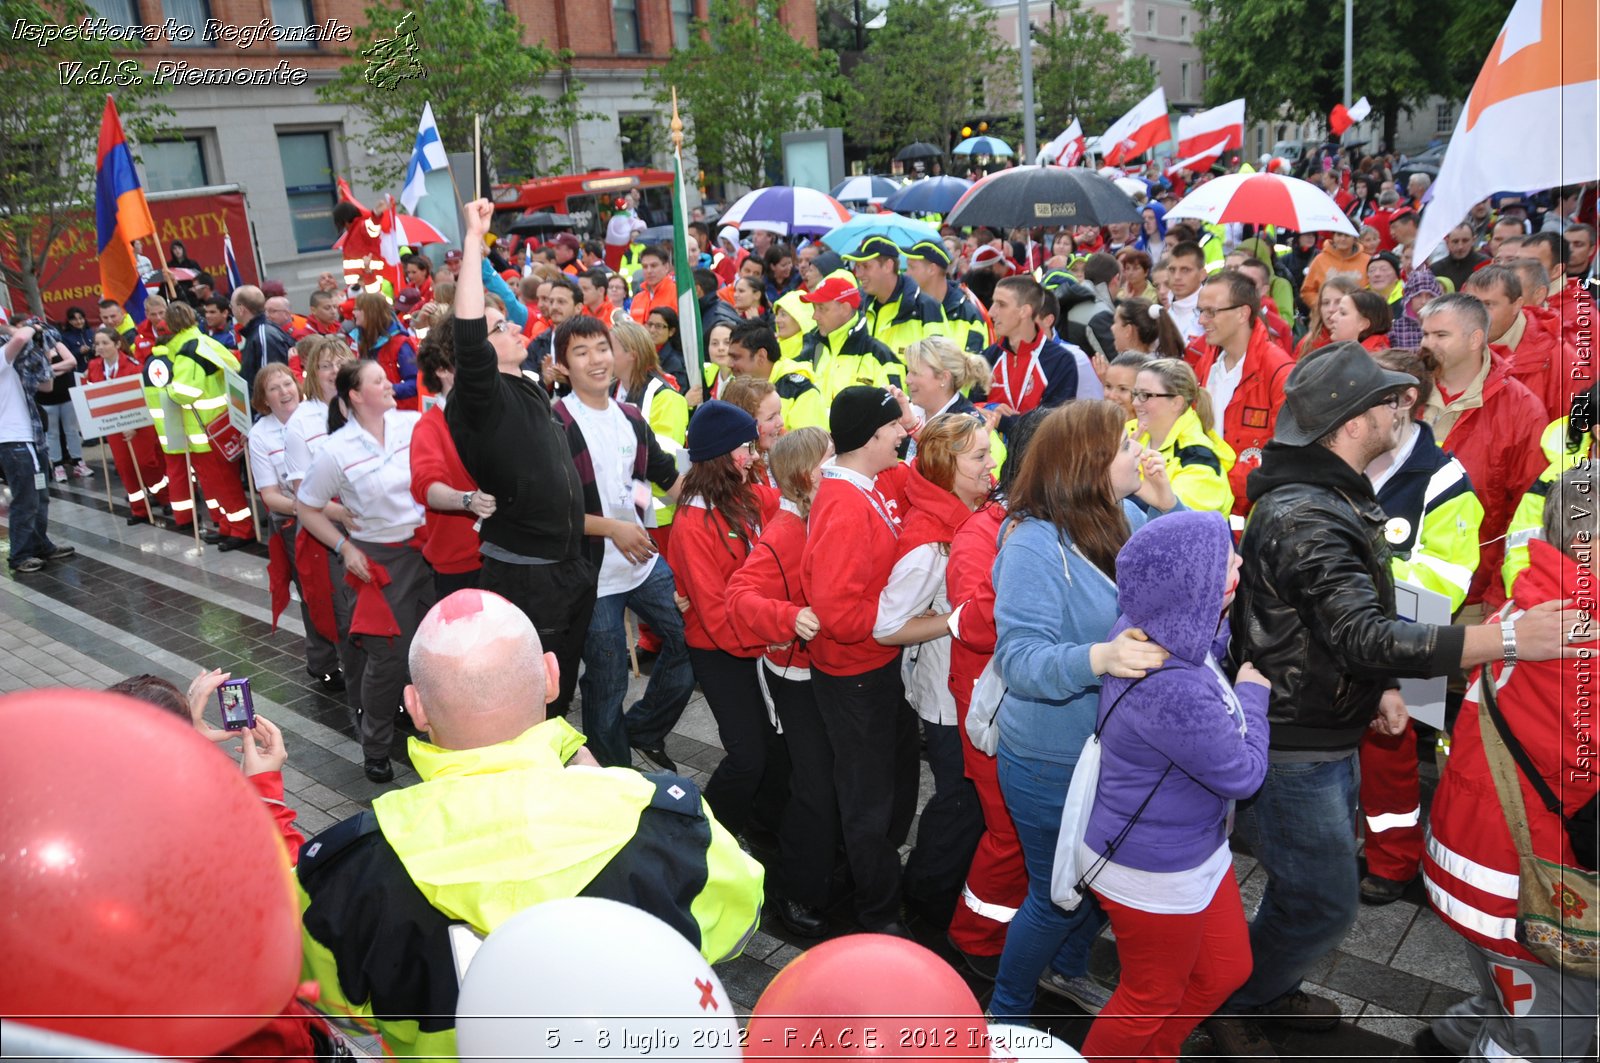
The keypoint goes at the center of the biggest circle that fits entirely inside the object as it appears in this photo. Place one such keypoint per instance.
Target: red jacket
(969, 585)
(1546, 363)
(704, 554)
(853, 545)
(1471, 862)
(129, 365)
(1498, 444)
(1572, 303)
(764, 596)
(452, 545)
(1248, 421)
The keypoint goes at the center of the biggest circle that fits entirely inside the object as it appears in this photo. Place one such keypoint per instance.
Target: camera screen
(233, 710)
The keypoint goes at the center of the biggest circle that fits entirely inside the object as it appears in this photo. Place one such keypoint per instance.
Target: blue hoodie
(1142, 242)
(1172, 574)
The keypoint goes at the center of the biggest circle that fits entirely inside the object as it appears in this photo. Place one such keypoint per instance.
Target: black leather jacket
(1315, 607)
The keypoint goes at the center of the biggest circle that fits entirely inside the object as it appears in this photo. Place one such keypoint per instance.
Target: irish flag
(1531, 120)
(682, 268)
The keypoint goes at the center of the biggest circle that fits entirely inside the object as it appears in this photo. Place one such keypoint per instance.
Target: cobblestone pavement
(142, 599)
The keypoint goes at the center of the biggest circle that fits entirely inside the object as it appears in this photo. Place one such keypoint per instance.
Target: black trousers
(873, 733)
(947, 833)
(751, 785)
(559, 599)
(447, 583)
(809, 837)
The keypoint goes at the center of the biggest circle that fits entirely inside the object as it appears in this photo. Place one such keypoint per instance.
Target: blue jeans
(605, 671)
(1302, 827)
(1041, 934)
(30, 505)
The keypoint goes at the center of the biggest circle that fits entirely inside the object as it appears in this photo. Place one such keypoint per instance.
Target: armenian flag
(121, 215)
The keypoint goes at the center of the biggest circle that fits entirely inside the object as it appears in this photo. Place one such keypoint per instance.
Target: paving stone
(320, 796)
(784, 956)
(761, 945)
(1375, 983)
(1433, 951)
(1379, 930)
(745, 978)
(1393, 1025)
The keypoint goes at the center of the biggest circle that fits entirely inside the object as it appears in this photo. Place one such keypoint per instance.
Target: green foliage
(475, 63)
(49, 131)
(923, 73)
(1083, 69)
(1287, 56)
(742, 83)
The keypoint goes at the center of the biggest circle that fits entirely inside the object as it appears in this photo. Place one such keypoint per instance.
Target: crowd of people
(903, 494)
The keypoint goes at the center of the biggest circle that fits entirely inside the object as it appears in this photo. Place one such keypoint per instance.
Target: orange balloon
(146, 899)
(868, 995)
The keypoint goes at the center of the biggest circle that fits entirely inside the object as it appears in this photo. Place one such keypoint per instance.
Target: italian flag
(683, 273)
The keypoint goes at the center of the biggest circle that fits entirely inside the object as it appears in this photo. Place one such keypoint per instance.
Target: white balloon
(1008, 1043)
(583, 979)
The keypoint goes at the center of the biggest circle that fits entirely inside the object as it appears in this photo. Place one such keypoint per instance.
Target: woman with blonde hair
(1324, 309)
(767, 607)
(760, 399)
(642, 385)
(940, 375)
(1173, 417)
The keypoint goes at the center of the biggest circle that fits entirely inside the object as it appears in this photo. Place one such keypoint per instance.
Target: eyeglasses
(503, 325)
(1392, 402)
(1209, 312)
(1146, 396)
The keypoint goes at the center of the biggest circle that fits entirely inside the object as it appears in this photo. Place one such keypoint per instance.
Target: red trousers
(1391, 801)
(139, 460)
(1176, 970)
(997, 881)
(225, 501)
(179, 491)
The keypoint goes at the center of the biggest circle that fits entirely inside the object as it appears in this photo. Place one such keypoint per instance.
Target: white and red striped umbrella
(416, 232)
(1264, 199)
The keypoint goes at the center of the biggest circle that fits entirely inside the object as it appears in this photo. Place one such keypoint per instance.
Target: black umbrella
(539, 221)
(1035, 197)
(919, 150)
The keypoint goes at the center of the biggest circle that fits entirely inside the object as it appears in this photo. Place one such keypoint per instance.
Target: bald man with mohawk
(511, 811)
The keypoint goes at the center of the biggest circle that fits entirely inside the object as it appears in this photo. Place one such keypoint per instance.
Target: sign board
(238, 401)
(110, 406)
(1424, 697)
(814, 159)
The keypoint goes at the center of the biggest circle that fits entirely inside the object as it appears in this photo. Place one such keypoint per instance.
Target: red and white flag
(1539, 92)
(1343, 117)
(1197, 132)
(1066, 149)
(1202, 160)
(1139, 130)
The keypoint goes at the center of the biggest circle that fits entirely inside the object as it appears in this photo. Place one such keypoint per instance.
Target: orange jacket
(1330, 261)
(665, 295)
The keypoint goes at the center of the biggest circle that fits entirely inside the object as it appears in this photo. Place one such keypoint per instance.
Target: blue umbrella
(993, 146)
(867, 188)
(903, 231)
(931, 195)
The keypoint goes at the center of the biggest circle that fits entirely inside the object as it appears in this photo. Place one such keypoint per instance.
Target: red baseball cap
(835, 290)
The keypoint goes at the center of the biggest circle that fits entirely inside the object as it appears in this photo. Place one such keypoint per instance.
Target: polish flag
(1202, 160)
(1197, 132)
(1139, 130)
(1342, 117)
(1066, 149)
(1540, 91)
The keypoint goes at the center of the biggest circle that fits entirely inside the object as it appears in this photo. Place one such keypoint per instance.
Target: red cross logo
(1515, 996)
(708, 994)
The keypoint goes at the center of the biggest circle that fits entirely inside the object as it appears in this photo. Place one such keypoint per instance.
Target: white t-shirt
(266, 452)
(1186, 315)
(303, 436)
(371, 479)
(1222, 382)
(612, 449)
(16, 423)
(916, 585)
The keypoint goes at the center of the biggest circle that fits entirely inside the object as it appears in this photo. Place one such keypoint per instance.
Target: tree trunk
(27, 266)
(1391, 124)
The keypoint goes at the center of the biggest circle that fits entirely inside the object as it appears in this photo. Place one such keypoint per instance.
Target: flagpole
(477, 157)
(680, 223)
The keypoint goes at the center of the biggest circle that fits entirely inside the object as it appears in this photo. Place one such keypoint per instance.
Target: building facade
(286, 148)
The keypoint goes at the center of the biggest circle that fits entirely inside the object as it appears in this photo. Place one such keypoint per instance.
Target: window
(1149, 20)
(1183, 26)
(293, 15)
(682, 15)
(116, 12)
(191, 13)
(308, 178)
(1155, 66)
(625, 22)
(1445, 121)
(1183, 74)
(174, 164)
(638, 134)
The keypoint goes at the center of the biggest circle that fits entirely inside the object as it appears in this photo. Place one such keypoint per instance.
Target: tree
(742, 82)
(473, 61)
(49, 126)
(1085, 70)
(923, 73)
(1287, 56)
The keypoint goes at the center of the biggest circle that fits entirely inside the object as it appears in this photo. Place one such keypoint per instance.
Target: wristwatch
(1508, 640)
(466, 499)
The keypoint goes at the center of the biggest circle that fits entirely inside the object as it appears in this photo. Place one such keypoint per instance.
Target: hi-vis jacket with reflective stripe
(389, 897)
(188, 368)
(1529, 514)
(1433, 520)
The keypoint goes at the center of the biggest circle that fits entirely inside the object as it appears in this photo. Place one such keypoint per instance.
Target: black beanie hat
(857, 413)
(717, 428)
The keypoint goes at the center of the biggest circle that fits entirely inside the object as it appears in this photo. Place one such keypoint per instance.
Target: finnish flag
(427, 155)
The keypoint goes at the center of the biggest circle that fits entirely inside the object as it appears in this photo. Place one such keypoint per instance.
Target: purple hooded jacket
(1170, 579)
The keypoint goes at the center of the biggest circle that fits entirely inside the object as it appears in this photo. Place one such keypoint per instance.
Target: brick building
(284, 146)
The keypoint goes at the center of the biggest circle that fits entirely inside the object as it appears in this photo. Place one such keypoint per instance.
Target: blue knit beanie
(716, 428)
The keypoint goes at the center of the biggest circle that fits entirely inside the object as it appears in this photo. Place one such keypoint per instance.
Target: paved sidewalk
(142, 599)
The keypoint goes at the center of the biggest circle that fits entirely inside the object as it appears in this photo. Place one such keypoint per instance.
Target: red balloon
(139, 876)
(868, 995)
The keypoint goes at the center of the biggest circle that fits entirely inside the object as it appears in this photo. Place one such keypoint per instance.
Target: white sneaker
(82, 471)
(58, 474)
